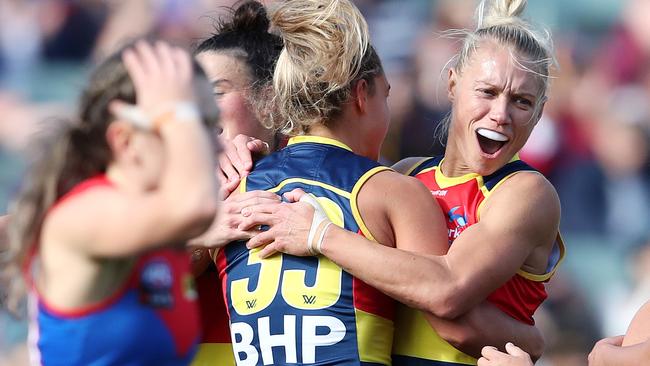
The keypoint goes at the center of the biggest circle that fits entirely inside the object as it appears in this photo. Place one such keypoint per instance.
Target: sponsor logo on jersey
(156, 281)
(458, 222)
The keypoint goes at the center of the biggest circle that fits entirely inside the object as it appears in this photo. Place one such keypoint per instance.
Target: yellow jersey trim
(242, 185)
(446, 182)
(317, 139)
(353, 199)
(374, 337)
(548, 275)
(415, 337)
(487, 192)
(336, 190)
(210, 354)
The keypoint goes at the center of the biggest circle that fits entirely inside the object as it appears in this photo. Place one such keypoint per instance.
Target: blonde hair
(326, 49)
(501, 21)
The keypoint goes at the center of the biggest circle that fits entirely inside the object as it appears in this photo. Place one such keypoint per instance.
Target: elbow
(446, 303)
(198, 216)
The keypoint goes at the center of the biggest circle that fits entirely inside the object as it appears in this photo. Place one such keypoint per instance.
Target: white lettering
(286, 339)
(439, 193)
(311, 340)
(244, 346)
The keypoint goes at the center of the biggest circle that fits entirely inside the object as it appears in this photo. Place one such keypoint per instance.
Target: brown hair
(68, 153)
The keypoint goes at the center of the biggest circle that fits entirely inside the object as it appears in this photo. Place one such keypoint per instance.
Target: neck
(121, 177)
(349, 136)
(454, 165)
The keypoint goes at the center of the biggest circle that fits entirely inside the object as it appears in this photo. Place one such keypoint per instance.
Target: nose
(499, 111)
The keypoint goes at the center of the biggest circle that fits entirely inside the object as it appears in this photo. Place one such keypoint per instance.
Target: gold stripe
(415, 166)
(242, 185)
(374, 337)
(338, 191)
(317, 139)
(353, 200)
(445, 182)
(214, 354)
(414, 337)
(546, 276)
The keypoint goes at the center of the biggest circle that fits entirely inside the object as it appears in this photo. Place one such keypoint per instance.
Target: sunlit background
(592, 142)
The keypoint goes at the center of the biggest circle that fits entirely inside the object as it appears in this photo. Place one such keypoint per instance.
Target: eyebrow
(515, 92)
(217, 82)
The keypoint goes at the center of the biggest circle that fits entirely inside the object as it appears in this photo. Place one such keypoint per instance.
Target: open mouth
(490, 141)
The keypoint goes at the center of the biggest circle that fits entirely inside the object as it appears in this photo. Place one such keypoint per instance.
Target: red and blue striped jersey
(462, 198)
(152, 320)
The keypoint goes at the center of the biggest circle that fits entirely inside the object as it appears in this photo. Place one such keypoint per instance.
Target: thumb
(294, 195)
(514, 350)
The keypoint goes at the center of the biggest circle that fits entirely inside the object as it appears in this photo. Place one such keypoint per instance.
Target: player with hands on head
(101, 223)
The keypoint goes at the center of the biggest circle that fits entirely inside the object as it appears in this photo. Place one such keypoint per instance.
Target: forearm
(188, 183)
(424, 283)
(486, 325)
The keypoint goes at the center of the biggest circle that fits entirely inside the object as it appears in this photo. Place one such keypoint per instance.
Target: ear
(118, 136)
(361, 89)
(451, 84)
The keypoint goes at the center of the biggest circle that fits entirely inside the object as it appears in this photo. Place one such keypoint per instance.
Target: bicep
(401, 212)
(521, 217)
(417, 220)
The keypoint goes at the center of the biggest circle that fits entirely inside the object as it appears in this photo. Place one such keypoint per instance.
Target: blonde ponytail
(326, 48)
(500, 12)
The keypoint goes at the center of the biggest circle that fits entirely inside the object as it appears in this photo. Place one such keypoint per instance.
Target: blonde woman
(502, 216)
(331, 93)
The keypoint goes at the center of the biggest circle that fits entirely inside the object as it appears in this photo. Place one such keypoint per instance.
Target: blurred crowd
(592, 143)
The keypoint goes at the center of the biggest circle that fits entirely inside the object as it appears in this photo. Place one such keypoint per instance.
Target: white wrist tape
(182, 111)
(319, 225)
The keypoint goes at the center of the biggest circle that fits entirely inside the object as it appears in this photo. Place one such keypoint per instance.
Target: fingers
(263, 238)
(614, 341)
(258, 146)
(241, 202)
(267, 251)
(226, 187)
(244, 153)
(263, 208)
(228, 168)
(515, 351)
(257, 219)
(233, 152)
(294, 195)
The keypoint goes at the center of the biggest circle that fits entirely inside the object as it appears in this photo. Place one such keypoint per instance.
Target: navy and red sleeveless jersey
(307, 310)
(215, 348)
(461, 198)
(152, 320)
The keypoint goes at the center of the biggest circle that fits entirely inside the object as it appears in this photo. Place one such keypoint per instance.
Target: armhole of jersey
(558, 241)
(416, 165)
(561, 249)
(488, 192)
(353, 200)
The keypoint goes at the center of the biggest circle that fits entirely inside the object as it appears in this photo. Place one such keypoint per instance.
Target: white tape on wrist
(181, 111)
(319, 225)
